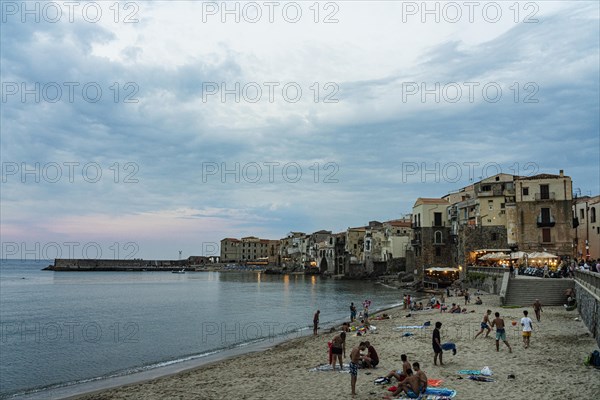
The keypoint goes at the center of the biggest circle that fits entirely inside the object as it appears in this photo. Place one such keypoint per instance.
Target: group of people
(411, 379)
(498, 323)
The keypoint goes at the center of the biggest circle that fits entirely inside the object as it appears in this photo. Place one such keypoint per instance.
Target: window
(437, 238)
(525, 191)
(437, 219)
(545, 215)
(502, 206)
(491, 204)
(593, 214)
(546, 237)
(494, 236)
(582, 213)
(486, 188)
(438, 251)
(544, 192)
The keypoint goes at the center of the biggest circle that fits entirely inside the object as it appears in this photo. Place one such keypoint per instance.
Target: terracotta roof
(425, 200)
(406, 224)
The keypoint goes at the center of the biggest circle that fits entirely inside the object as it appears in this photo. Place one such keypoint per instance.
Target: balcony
(545, 222)
(415, 242)
(545, 196)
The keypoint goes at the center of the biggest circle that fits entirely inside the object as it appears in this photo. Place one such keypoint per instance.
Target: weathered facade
(586, 241)
(544, 216)
(432, 241)
(249, 248)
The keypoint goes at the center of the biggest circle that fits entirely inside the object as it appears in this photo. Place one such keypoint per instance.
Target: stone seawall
(587, 292)
(117, 265)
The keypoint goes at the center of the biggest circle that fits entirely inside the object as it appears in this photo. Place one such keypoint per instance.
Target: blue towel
(440, 391)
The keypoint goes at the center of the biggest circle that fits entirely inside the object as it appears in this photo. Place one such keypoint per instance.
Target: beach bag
(486, 371)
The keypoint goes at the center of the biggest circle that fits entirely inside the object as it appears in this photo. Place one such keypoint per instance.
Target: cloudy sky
(146, 128)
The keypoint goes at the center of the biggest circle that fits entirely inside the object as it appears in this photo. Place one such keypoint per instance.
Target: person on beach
(352, 312)
(537, 308)
(437, 344)
(338, 348)
(485, 324)
(405, 302)
(372, 358)
(527, 325)
(410, 386)
(467, 299)
(400, 374)
(421, 376)
(316, 322)
(354, 360)
(500, 332)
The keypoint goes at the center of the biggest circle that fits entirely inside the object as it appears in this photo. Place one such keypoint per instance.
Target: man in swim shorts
(410, 386)
(485, 324)
(400, 374)
(354, 360)
(500, 332)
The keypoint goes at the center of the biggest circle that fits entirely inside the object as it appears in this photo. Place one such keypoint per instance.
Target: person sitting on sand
(420, 306)
(478, 301)
(410, 386)
(421, 375)
(372, 358)
(338, 347)
(455, 309)
(345, 327)
(400, 374)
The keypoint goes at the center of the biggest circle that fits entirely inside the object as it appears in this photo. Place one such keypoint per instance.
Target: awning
(494, 256)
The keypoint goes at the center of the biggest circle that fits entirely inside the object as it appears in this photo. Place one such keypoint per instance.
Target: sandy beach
(551, 366)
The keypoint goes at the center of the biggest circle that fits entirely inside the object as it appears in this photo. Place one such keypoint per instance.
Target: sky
(142, 129)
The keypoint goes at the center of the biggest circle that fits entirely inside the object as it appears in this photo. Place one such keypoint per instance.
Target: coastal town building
(586, 221)
(543, 218)
(432, 243)
(293, 251)
(249, 249)
(502, 213)
(331, 254)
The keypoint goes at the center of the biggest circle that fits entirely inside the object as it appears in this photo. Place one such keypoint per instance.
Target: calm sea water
(61, 328)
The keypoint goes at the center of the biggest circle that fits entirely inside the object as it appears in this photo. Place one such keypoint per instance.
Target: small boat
(181, 271)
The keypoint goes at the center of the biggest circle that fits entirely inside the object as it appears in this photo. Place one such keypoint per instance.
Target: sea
(64, 333)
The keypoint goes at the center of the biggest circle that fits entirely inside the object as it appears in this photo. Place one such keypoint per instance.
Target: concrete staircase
(523, 291)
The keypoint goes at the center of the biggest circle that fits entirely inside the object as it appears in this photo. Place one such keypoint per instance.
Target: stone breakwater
(61, 264)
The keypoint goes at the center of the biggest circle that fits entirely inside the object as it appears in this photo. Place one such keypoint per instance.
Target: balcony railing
(545, 196)
(545, 222)
(415, 242)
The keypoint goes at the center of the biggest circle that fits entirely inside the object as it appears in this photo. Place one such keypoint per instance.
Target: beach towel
(481, 378)
(329, 368)
(469, 372)
(399, 328)
(430, 382)
(433, 394)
